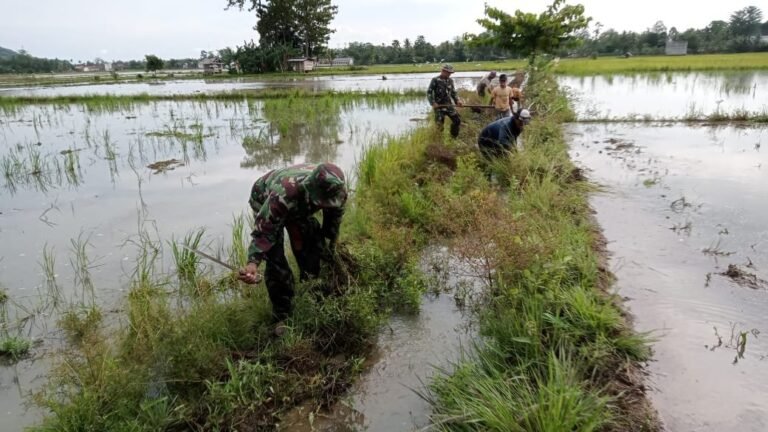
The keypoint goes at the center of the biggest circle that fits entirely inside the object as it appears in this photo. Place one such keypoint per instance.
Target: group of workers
(287, 199)
(501, 135)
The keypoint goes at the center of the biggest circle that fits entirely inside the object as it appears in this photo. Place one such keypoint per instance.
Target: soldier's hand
(435, 105)
(249, 274)
(459, 104)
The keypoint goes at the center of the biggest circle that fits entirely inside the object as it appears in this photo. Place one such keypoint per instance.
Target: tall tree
(745, 23)
(530, 34)
(301, 24)
(154, 63)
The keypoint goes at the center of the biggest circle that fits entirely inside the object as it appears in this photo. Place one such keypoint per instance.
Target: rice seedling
(82, 265)
(239, 242)
(187, 262)
(52, 289)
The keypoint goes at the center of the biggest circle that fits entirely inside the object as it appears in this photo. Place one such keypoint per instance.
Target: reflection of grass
(693, 115)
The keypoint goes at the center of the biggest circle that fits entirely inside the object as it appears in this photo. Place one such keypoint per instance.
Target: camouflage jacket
(283, 196)
(442, 91)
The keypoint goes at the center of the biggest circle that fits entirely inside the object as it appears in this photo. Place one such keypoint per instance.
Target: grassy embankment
(557, 352)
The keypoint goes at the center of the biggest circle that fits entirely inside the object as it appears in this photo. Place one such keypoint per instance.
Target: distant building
(303, 64)
(339, 61)
(211, 65)
(91, 67)
(676, 47)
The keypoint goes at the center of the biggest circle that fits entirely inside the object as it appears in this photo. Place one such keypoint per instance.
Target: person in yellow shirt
(501, 98)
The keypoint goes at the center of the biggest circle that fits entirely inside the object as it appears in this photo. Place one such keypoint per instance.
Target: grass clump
(14, 347)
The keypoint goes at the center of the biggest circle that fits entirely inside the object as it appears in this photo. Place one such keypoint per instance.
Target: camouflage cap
(326, 186)
(448, 68)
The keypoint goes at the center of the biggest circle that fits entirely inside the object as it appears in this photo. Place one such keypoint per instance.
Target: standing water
(73, 176)
(682, 208)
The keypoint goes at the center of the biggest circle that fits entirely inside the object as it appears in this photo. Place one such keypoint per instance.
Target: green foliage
(153, 63)
(486, 395)
(530, 34)
(23, 62)
(14, 347)
(301, 25)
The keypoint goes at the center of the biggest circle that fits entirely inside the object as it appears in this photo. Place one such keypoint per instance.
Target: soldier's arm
(332, 222)
(454, 96)
(269, 222)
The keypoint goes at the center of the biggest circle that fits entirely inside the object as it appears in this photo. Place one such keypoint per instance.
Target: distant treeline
(22, 62)
(419, 51)
(741, 33)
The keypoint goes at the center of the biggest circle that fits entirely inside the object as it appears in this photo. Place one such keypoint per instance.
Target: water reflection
(680, 207)
(668, 95)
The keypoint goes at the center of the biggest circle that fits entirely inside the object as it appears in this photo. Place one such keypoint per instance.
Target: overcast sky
(85, 29)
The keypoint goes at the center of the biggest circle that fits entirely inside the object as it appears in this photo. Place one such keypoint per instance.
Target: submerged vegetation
(107, 102)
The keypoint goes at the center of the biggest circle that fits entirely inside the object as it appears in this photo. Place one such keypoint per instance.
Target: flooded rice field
(671, 95)
(682, 208)
(393, 83)
(78, 183)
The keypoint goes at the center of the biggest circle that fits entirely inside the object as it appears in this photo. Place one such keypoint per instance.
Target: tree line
(290, 28)
(740, 33)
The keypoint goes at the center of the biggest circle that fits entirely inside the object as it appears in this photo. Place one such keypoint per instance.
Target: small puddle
(408, 353)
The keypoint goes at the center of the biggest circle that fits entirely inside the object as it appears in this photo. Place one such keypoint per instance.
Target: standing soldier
(441, 94)
(288, 198)
(482, 86)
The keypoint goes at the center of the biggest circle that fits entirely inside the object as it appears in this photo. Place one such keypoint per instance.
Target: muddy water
(396, 82)
(680, 204)
(409, 351)
(668, 95)
(103, 189)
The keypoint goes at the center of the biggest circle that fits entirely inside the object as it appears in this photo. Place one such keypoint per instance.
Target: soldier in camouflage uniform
(441, 94)
(288, 198)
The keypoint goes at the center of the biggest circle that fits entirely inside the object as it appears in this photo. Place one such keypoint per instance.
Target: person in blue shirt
(499, 137)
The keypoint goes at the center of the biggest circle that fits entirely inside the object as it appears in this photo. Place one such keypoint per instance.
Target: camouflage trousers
(307, 244)
(442, 113)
